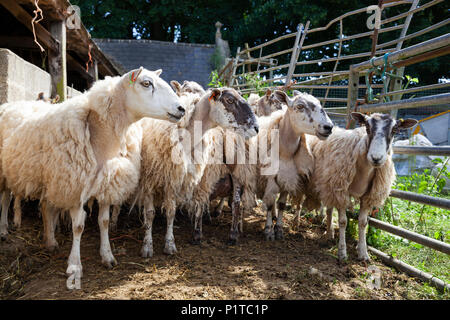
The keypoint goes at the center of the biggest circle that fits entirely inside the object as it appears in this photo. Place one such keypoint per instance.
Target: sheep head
(380, 129)
(306, 114)
(147, 95)
(190, 87)
(230, 111)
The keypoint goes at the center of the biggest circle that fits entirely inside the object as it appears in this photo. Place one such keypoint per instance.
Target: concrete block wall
(21, 80)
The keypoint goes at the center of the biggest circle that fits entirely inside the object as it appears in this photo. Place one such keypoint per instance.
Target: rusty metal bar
(427, 151)
(410, 235)
(410, 90)
(400, 265)
(423, 57)
(415, 34)
(437, 99)
(421, 198)
(419, 48)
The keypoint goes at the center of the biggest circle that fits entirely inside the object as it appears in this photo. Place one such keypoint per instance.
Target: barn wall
(21, 80)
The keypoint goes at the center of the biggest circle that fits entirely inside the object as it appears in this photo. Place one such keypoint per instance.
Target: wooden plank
(22, 16)
(58, 62)
(76, 66)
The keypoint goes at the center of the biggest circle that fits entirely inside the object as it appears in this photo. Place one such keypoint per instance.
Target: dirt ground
(302, 266)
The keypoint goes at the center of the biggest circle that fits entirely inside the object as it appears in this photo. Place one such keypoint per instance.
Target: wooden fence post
(57, 61)
(293, 62)
(352, 95)
(233, 69)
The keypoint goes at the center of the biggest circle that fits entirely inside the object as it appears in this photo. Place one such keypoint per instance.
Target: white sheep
(168, 183)
(18, 199)
(354, 163)
(185, 89)
(67, 155)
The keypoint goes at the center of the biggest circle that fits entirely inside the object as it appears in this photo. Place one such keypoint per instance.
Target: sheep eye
(146, 83)
(230, 101)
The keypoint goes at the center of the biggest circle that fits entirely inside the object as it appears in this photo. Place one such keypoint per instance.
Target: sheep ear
(158, 72)
(268, 92)
(283, 97)
(132, 75)
(405, 124)
(295, 93)
(215, 94)
(175, 86)
(361, 118)
(56, 99)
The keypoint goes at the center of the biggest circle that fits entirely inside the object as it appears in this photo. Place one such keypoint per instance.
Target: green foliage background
(252, 21)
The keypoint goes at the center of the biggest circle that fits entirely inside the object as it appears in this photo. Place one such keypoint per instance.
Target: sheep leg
(197, 237)
(17, 212)
(342, 246)
(105, 247)
(330, 230)
(362, 224)
(218, 210)
(169, 247)
(149, 215)
(50, 219)
(6, 200)
(278, 229)
(269, 200)
(114, 218)
(236, 212)
(74, 268)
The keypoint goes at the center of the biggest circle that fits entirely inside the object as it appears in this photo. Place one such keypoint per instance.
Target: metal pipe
(406, 104)
(421, 198)
(436, 282)
(410, 235)
(410, 90)
(426, 151)
(419, 48)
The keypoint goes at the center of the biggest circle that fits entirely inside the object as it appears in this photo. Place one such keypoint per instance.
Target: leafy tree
(254, 22)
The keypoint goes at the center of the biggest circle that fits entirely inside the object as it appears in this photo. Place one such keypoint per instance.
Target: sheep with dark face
(171, 184)
(354, 163)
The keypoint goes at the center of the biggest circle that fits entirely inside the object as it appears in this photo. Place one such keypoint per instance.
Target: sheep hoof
(52, 247)
(74, 273)
(233, 239)
(147, 252)
(342, 257)
(109, 262)
(278, 233)
(270, 235)
(364, 257)
(197, 238)
(170, 247)
(4, 235)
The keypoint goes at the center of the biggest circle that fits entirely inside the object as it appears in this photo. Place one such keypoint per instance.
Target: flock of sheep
(133, 139)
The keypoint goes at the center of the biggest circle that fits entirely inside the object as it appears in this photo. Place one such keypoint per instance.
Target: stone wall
(21, 80)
